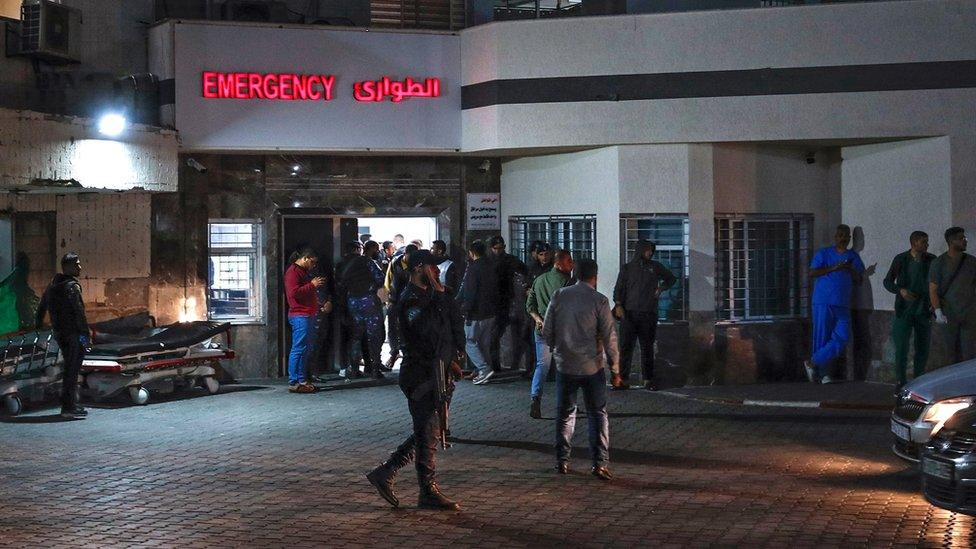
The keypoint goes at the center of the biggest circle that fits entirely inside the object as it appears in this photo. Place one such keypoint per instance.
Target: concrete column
(701, 284)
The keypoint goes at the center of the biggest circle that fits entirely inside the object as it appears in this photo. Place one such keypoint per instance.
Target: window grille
(576, 233)
(235, 285)
(669, 233)
(761, 266)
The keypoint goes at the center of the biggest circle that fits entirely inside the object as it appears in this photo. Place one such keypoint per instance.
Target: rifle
(441, 400)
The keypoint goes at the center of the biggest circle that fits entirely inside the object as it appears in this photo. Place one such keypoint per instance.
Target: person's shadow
(862, 305)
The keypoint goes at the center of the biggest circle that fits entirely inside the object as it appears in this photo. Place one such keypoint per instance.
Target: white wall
(892, 189)
(40, 146)
(351, 55)
(813, 36)
(752, 178)
(653, 179)
(575, 183)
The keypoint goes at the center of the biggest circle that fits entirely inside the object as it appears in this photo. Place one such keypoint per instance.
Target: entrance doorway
(411, 228)
(327, 235)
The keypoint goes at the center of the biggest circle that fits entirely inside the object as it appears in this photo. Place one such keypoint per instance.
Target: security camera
(485, 166)
(196, 165)
(811, 157)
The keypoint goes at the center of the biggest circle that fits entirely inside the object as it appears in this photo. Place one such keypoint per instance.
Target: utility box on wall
(50, 32)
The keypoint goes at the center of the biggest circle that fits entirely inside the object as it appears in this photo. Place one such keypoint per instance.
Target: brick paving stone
(259, 467)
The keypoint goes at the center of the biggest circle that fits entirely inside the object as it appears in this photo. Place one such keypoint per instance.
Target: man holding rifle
(432, 342)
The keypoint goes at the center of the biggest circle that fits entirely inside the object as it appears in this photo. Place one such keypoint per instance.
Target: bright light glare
(103, 164)
(940, 412)
(111, 124)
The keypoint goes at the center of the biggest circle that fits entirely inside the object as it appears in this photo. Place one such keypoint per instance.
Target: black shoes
(432, 498)
(563, 468)
(535, 411)
(382, 479)
(650, 386)
(602, 473)
(75, 412)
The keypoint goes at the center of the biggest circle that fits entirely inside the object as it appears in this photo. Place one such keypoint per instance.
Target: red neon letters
(397, 91)
(252, 85)
(311, 87)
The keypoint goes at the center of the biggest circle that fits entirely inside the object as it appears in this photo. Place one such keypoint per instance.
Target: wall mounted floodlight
(112, 124)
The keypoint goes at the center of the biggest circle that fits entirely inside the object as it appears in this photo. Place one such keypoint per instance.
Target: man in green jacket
(908, 278)
(536, 304)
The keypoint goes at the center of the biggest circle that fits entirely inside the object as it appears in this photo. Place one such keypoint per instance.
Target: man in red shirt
(303, 305)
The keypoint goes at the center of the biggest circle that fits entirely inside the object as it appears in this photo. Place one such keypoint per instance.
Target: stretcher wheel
(12, 405)
(211, 384)
(139, 395)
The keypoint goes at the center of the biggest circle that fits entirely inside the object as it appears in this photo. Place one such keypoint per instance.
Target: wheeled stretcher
(29, 369)
(163, 359)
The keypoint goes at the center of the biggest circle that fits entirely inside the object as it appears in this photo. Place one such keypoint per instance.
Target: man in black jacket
(635, 295)
(479, 305)
(432, 336)
(62, 299)
(510, 317)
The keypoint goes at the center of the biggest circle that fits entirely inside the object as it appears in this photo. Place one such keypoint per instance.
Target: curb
(822, 404)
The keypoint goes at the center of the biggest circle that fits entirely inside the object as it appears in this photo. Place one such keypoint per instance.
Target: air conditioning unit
(254, 10)
(50, 31)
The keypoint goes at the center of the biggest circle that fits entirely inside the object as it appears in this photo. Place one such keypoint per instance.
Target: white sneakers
(483, 378)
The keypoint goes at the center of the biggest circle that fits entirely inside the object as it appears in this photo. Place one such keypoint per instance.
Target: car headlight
(938, 413)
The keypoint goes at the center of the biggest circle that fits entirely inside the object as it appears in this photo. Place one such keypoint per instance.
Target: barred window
(576, 233)
(669, 233)
(761, 266)
(235, 285)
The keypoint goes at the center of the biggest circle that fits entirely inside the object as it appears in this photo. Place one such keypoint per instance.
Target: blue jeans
(543, 358)
(831, 332)
(477, 342)
(595, 398)
(302, 342)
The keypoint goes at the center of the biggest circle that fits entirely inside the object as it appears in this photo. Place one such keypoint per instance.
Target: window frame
(685, 275)
(800, 294)
(259, 276)
(522, 251)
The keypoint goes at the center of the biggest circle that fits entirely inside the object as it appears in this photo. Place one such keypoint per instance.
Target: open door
(325, 235)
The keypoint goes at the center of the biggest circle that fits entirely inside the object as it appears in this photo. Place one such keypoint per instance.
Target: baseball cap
(421, 257)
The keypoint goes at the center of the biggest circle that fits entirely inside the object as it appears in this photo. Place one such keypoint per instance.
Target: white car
(927, 402)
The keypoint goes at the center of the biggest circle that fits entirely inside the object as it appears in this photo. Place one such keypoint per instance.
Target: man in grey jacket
(580, 329)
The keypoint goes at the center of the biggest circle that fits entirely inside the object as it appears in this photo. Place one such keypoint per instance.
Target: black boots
(432, 498)
(535, 411)
(73, 412)
(382, 478)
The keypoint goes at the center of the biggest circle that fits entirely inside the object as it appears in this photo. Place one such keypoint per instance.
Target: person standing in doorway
(908, 279)
(581, 330)
(536, 306)
(398, 243)
(397, 278)
(478, 299)
(449, 271)
(360, 278)
(301, 293)
(639, 286)
(835, 270)
(952, 292)
(63, 301)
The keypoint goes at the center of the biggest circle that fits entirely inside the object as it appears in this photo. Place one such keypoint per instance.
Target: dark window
(669, 233)
(576, 233)
(761, 266)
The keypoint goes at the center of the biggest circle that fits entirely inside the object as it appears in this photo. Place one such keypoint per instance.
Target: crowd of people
(928, 289)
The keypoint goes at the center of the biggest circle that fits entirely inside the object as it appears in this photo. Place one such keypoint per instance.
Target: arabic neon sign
(312, 87)
(397, 91)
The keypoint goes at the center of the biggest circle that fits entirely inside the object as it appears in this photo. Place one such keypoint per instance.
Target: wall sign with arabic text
(484, 212)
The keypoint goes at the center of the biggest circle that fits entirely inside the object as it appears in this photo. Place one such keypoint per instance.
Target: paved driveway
(256, 466)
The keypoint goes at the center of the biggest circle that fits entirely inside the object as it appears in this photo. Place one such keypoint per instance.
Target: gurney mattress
(174, 336)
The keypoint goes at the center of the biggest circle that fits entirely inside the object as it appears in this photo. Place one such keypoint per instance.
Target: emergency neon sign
(312, 87)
